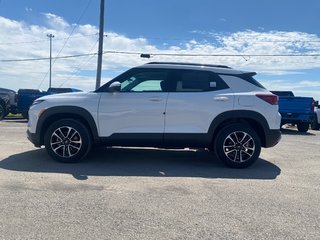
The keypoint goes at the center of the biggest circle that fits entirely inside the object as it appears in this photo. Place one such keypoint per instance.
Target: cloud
(79, 72)
(56, 22)
(27, 9)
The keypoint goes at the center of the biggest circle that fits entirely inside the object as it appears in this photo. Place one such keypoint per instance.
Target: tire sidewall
(315, 125)
(222, 135)
(303, 127)
(85, 138)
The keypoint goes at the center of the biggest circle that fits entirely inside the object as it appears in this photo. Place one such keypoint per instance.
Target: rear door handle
(155, 99)
(221, 99)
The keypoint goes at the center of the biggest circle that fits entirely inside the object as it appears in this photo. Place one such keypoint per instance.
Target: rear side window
(198, 81)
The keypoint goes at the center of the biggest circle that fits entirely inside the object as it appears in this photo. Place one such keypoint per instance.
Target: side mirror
(114, 87)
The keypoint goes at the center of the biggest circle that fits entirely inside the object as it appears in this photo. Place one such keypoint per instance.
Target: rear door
(198, 98)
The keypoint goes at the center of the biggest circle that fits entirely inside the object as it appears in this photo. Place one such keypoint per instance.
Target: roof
(222, 69)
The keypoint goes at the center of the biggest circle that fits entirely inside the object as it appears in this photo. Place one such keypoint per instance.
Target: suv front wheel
(67, 140)
(238, 145)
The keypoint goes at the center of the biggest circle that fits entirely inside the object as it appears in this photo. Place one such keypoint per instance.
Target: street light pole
(100, 51)
(50, 36)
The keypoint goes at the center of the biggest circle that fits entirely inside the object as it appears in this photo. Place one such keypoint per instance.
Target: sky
(231, 32)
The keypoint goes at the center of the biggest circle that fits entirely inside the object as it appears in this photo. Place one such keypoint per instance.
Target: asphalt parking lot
(156, 194)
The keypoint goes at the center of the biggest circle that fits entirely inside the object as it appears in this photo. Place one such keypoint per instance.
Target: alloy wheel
(239, 146)
(66, 142)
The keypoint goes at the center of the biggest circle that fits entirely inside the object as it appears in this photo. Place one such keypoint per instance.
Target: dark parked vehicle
(27, 96)
(295, 110)
(12, 99)
(4, 105)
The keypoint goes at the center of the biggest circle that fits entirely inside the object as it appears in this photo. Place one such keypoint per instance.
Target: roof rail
(190, 64)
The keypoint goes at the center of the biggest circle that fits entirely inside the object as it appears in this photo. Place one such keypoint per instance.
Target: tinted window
(144, 81)
(198, 81)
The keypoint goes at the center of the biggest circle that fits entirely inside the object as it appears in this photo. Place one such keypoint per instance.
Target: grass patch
(10, 115)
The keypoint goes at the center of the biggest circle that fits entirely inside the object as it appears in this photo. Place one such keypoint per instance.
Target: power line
(163, 54)
(65, 43)
(215, 55)
(75, 26)
(82, 64)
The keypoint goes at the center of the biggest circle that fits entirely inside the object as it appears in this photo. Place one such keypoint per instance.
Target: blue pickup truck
(27, 96)
(295, 110)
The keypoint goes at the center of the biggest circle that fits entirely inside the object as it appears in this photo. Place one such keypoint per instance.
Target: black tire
(25, 115)
(303, 127)
(315, 125)
(238, 145)
(67, 141)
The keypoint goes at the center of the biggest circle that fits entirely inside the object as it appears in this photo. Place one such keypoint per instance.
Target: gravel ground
(129, 193)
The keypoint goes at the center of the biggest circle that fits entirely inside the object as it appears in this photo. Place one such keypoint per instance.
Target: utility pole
(100, 51)
(50, 36)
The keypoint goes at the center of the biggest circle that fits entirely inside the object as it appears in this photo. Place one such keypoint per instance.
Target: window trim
(171, 72)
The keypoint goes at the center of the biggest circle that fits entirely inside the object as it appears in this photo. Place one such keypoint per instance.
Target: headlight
(35, 102)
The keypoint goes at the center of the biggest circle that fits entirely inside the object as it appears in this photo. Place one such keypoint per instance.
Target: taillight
(269, 98)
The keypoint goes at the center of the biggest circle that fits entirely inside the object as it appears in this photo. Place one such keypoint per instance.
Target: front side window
(144, 81)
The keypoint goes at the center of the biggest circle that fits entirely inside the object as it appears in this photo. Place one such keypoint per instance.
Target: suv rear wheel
(238, 145)
(67, 140)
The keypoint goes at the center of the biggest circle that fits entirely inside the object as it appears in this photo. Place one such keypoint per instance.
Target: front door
(138, 109)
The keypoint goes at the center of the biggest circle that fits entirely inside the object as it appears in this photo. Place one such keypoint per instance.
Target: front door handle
(221, 99)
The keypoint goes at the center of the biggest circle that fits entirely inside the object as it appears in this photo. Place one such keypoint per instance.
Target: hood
(64, 96)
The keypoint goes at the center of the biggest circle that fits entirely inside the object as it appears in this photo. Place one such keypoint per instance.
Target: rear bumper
(272, 138)
(296, 118)
(33, 138)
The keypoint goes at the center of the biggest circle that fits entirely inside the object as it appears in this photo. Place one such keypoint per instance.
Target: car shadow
(140, 162)
(292, 131)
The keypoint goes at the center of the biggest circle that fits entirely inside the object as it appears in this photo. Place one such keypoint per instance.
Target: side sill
(168, 140)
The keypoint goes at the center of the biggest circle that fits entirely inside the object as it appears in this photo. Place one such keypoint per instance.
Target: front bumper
(272, 138)
(34, 138)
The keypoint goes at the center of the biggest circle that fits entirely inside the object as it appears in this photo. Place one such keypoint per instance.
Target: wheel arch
(53, 114)
(251, 118)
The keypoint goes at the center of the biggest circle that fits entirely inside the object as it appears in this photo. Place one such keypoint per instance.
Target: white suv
(166, 105)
